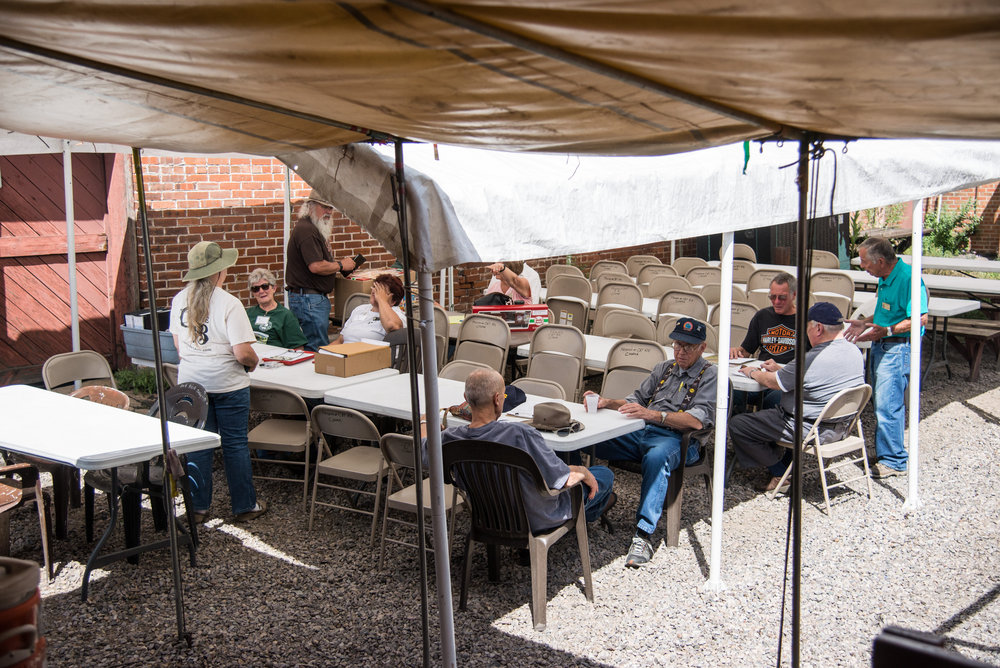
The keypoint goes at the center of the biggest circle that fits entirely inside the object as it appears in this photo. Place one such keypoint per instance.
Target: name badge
(885, 305)
(263, 322)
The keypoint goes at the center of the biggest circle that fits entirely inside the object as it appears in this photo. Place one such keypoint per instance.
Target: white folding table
(302, 378)
(91, 436)
(391, 397)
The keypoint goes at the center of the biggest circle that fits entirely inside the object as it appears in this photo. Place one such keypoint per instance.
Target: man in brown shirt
(311, 269)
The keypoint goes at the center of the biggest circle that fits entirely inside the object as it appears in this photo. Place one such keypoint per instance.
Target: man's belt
(304, 291)
(896, 339)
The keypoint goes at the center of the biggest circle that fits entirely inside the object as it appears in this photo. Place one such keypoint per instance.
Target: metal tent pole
(168, 499)
(74, 307)
(912, 469)
(442, 562)
(286, 224)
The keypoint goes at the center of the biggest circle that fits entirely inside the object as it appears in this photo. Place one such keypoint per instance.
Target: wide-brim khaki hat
(314, 196)
(552, 416)
(207, 258)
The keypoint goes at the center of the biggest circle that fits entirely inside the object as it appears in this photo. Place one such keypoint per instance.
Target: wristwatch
(888, 330)
(663, 417)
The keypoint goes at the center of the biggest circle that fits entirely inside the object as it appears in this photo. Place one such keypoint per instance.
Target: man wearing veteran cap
(213, 337)
(311, 270)
(677, 396)
(484, 390)
(832, 364)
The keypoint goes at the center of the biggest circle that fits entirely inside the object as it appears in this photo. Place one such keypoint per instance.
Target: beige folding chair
(601, 266)
(832, 281)
(21, 484)
(570, 286)
(822, 259)
(759, 298)
(682, 264)
(460, 369)
(556, 354)
(561, 270)
(629, 363)
(540, 387)
(711, 339)
(664, 326)
(398, 452)
(761, 279)
(846, 405)
(287, 429)
(620, 294)
(712, 293)
(569, 311)
(681, 303)
(609, 277)
(61, 372)
(742, 252)
(361, 464)
(840, 301)
(170, 372)
(636, 262)
(484, 339)
(648, 272)
(441, 335)
(621, 324)
(742, 314)
(354, 300)
(742, 270)
(703, 275)
(659, 285)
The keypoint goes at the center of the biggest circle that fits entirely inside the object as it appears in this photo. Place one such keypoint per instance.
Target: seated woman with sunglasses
(272, 323)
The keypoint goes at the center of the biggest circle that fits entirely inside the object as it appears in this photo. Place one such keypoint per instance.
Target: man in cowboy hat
(832, 364)
(677, 396)
(311, 268)
(484, 390)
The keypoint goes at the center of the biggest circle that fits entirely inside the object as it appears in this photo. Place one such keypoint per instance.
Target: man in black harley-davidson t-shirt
(771, 333)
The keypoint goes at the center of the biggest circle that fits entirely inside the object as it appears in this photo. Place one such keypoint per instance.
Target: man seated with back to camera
(484, 390)
(832, 364)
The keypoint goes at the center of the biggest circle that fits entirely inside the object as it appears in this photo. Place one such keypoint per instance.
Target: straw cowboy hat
(207, 258)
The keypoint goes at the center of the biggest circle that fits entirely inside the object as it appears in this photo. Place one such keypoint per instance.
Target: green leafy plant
(136, 379)
(950, 230)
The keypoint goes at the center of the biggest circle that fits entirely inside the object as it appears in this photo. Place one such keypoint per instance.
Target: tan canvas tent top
(577, 76)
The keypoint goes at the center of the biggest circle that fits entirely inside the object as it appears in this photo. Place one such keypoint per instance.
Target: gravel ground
(273, 593)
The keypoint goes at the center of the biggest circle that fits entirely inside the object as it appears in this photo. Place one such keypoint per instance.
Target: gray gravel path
(272, 593)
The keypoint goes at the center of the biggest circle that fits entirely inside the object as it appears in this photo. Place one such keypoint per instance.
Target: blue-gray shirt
(830, 367)
(665, 388)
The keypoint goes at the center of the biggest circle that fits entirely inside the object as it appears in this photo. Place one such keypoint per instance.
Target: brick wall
(238, 202)
(986, 240)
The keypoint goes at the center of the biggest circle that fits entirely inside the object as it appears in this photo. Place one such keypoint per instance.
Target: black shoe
(640, 553)
(603, 519)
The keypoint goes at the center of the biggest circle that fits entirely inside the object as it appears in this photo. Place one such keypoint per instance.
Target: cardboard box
(351, 359)
(519, 317)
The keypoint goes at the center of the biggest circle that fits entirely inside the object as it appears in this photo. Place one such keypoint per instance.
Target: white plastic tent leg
(714, 582)
(74, 310)
(917, 244)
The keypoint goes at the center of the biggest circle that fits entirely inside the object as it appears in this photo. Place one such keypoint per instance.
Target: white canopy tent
(639, 77)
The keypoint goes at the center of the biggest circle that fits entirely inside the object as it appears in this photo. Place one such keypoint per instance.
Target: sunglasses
(263, 286)
(778, 298)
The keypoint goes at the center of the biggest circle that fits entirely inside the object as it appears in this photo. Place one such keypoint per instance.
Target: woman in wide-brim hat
(213, 337)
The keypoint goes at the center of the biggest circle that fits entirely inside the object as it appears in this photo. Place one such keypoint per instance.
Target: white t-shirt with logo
(209, 361)
(366, 323)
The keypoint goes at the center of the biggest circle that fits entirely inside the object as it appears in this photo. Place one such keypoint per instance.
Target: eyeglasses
(262, 286)
(685, 347)
(778, 298)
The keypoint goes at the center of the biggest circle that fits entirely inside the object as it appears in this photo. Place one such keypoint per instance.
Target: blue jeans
(313, 314)
(659, 450)
(891, 368)
(605, 479)
(228, 415)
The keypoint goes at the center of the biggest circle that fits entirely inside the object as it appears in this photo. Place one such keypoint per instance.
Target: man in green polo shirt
(889, 331)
